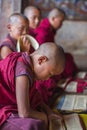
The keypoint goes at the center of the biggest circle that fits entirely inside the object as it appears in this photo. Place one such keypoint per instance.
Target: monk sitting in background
(45, 32)
(47, 28)
(18, 25)
(33, 14)
(21, 107)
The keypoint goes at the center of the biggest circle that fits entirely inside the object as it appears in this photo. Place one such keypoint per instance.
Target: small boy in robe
(19, 100)
(47, 28)
(18, 25)
(33, 14)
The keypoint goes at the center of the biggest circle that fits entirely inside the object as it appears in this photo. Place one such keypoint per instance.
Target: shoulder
(44, 26)
(23, 67)
(8, 43)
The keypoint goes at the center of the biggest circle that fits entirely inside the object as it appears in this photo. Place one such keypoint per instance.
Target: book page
(68, 102)
(71, 87)
(85, 90)
(72, 122)
(80, 102)
(81, 75)
(60, 103)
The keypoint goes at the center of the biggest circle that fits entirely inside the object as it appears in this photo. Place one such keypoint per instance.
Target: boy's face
(34, 18)
(19, 28)
(47, 70)
(57, 22)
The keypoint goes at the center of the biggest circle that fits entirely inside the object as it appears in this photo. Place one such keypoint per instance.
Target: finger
(56, 116)
(24, 39)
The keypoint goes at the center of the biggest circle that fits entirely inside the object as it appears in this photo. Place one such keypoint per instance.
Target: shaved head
(48, 60)
(53, 52)
(16, 18)
(56, 12)
(18, 25)
(28, 10)
(33, 14)
(56, 17)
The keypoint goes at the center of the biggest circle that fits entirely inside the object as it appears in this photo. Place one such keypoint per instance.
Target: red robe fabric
(32, 32)
(9, 42)
(70, 67)
(8, 103)
(45, 32)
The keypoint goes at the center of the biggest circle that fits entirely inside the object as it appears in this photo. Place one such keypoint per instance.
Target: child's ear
(42, 59)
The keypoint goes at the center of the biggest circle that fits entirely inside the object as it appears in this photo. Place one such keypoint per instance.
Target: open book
(68, 86)
(70, 122)
(74, 85)
(71, 103)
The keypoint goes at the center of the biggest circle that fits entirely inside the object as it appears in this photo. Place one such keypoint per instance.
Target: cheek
(18, 33)
(58, 24)
(60, 71)
(43, 75)
(32, 22)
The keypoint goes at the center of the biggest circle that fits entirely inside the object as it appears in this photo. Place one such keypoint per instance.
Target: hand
(25, 44)
(55, 116)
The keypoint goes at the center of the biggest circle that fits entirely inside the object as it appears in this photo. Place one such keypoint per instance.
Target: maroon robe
(9, 42)
(32, 32)
(45, 32)
(15, 64)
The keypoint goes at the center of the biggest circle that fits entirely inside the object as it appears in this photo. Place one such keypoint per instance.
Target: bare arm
(5, 51)
(22, 96)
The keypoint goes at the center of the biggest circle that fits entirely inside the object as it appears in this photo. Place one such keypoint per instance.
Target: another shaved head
(56, 12)
(56, 17)
(52, 51)
(33, 14)
(52, 59)
(16, 17)
(29, 9)
(18, 25)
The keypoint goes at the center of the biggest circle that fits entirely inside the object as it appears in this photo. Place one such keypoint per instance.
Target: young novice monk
(33, 14)
(18, 25)
(19, 100)
(47, 28)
